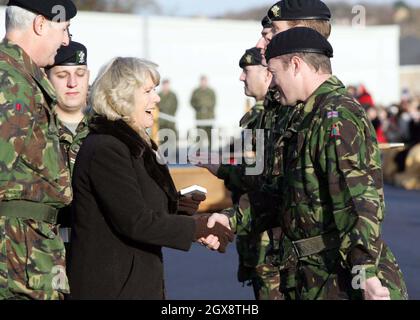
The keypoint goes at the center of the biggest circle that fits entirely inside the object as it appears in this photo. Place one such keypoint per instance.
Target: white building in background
(186, 48)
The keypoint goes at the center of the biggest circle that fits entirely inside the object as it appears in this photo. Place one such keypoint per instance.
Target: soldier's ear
(40, 24)
(268, 76)
(296, 64)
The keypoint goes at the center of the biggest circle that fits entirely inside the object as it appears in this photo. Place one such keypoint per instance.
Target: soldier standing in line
(334, 204)
(168, 106)
(281, 16)
(254, 246)
(69, 76)
(34, 178)
(203, 101)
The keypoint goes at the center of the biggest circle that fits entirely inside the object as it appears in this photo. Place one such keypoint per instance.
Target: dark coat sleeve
(114, 181)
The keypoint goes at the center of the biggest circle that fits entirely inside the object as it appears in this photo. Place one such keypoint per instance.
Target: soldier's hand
(216, 234)
(212, 242)
(218, 217)
(374, 290)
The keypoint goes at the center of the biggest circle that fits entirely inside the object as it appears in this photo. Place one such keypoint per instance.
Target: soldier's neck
(69, 117)
(312, 84)
(24, 41)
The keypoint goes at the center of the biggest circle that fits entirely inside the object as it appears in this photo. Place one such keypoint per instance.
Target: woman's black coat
(124, 211)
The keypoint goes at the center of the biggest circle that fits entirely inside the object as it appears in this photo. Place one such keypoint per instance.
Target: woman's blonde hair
(113, 90)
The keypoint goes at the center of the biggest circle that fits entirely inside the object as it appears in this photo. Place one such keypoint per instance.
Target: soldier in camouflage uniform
(69, 76)
(334, 203)
(34, 178)
(254, 246)
(203, 101)
(284, 15)
(168, 105)
(280, 17)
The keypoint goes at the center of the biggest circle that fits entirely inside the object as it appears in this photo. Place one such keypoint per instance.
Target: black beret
(299, 39)
(299, 10)
(75, 54)
(50, 9)
(251, 57)
(266, 22)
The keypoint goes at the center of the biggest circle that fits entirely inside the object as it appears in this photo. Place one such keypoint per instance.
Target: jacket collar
(12, 51)
(139, 148)
(330, 85)
(122, 131)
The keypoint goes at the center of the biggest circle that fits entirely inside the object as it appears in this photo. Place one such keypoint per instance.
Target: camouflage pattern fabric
(168, 104)
(32, 169)
(32, 261)
(70, 143)
(276, 119)
(203, 101)
(256, 248)
(334, 180)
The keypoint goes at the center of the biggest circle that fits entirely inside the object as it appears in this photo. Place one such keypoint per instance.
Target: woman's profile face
(145, 100)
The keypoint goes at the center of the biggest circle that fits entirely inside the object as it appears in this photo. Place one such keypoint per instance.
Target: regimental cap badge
(276, 11)
(248, 59)
(80, 57)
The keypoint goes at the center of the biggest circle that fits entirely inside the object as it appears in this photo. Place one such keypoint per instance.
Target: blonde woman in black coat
(125, 202)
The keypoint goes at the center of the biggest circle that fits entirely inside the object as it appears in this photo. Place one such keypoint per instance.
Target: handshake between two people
(212, 230)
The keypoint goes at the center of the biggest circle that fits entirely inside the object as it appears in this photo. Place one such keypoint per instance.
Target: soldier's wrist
(230, 214)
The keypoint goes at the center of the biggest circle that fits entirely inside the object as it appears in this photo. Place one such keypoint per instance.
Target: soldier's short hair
(18, 18)
(317, 61)
(113, 90)
(322, 26)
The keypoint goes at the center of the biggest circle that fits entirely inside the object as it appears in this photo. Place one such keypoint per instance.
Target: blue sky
(217, 7)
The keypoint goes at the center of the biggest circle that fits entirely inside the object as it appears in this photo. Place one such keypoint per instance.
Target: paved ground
(202, 274)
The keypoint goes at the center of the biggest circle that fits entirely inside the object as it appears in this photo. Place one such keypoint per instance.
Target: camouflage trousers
(32, 260)
(323, 277)
(256, 265)
(266, 282)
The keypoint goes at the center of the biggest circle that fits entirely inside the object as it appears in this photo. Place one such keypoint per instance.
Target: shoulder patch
(332, 114)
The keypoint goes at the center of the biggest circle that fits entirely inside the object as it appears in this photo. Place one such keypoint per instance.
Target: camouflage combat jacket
(32, 165)
(333, 184)
(34, 182)
(70, 143)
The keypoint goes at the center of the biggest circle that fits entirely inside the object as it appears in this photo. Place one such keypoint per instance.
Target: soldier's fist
(374, 290)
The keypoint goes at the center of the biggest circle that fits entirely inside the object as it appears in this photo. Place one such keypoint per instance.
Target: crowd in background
(399, 122)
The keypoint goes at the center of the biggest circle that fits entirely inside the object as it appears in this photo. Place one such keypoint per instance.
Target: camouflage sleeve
(16, 120)
(213, 99)
(193, 100)
(175, 103)
(353, 187)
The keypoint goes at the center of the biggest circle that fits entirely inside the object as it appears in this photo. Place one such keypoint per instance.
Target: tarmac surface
(201, 274)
